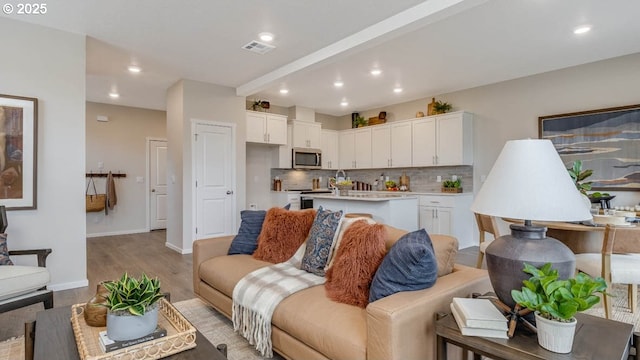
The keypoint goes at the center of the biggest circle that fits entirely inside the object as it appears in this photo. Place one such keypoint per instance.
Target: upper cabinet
(306, 134)
(391, 145)
(442, 140)
(266, 128)
(355, 149)
(330, 150)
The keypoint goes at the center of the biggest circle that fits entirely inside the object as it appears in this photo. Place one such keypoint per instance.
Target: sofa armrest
(206, 249)
(41, 253)
(402, 326)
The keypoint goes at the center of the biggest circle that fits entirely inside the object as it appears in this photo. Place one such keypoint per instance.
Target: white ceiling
(426, 47)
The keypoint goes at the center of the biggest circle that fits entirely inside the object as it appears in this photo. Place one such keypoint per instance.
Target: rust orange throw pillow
(359, 255)
(282, 233)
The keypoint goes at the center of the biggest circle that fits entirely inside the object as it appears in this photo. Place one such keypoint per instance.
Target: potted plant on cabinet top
(132, 307)
(556, 302)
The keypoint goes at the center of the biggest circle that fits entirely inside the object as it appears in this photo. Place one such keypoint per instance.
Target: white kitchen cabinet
(307, 134)
(449, 215)
(266, 128)
(443, 140)
(391, 145)
(330, 150)
(355, 149)
(362, 144)
(381, 150)
(401, 144)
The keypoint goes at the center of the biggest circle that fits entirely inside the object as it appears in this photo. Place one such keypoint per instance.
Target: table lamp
(528, 182)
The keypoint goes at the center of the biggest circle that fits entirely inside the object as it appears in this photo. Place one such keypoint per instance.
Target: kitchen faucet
(344, 175)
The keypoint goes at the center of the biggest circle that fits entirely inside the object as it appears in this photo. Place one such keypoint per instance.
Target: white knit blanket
(256, 296)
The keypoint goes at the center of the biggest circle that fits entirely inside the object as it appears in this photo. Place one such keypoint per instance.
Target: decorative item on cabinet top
(437, 107)
(260, 104)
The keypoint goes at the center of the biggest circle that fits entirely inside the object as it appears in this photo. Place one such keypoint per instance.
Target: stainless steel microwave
(303, 158)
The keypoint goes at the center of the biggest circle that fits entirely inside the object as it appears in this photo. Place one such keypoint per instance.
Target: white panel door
(157, 184)
(214, 181)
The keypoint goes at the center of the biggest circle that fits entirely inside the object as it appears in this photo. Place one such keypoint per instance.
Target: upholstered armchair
(25, 285)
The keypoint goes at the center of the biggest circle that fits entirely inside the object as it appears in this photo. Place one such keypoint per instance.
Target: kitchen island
(397, 210)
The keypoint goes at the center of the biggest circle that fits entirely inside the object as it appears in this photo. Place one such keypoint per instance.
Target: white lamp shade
(529, 182)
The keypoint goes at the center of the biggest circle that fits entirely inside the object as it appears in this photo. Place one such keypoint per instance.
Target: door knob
(229, 192)
(153, 190)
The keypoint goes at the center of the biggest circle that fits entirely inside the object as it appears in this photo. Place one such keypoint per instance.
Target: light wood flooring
(110, 256)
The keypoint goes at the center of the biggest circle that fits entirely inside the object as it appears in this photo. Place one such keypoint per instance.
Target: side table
(596, 338)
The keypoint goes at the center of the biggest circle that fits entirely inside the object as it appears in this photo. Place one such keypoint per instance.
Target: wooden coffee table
(596, 338)
(54, 339)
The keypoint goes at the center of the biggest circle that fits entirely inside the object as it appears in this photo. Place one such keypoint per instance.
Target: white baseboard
(121, 232)
(69, 285)
(177, 249)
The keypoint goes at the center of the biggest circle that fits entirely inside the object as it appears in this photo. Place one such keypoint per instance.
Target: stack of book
(109, 345)
(479, 317)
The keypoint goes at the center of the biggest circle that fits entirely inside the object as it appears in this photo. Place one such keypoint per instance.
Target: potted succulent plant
(556, 302)
(132, 307)
(452, 186)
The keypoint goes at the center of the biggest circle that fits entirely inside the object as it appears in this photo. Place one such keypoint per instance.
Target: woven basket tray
(181, 335)
(451, 190)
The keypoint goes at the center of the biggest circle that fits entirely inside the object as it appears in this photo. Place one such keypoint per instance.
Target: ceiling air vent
(258, 47)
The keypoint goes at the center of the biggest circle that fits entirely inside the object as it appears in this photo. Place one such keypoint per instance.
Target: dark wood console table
(596, 338)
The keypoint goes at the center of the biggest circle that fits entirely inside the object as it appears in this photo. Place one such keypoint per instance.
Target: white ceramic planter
(554, 335)
(128, 327)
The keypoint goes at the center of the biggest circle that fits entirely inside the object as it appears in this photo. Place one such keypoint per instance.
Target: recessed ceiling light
(582, 29)
(344, 103)
(134, 69)
(265, 36)
(397, 90)
(376, 72)
(284, 91)
(114, 95)
(338, 83)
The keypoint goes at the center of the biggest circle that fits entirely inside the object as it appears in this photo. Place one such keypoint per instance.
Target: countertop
(396, 193)
(365, 196)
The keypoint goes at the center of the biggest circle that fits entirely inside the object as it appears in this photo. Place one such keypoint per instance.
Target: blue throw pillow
(319, 241)
(410, 265)
(246, 241)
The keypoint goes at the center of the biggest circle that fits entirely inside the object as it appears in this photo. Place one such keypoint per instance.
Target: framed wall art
(606, 140)
(18, 149)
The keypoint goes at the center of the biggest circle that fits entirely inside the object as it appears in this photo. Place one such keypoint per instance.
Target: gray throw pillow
(4, 251)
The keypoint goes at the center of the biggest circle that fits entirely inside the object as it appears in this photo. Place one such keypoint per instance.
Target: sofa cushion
(446, 249)
(319, 241)
(17, 280)
(283, 232)
(409, 265)
(336, 330)
(224, 272)
(359, 255)
(246, 241)
(4, 251)
(342, 228)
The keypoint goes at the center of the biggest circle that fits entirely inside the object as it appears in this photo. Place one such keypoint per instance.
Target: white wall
(192, 100)
(120, 144)
(50, 65)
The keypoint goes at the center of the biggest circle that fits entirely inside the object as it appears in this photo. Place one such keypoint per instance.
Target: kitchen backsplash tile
(421, 179)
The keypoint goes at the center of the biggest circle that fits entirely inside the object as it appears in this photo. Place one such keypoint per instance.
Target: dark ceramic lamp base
(507, 254)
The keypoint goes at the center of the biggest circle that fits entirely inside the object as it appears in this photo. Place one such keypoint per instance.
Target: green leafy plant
(557, 299)
(360, 121)
(578, 176)
(133, 295)
(441, 107)
(452, 183)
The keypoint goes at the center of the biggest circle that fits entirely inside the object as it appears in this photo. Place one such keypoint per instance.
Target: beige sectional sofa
(307, 325)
